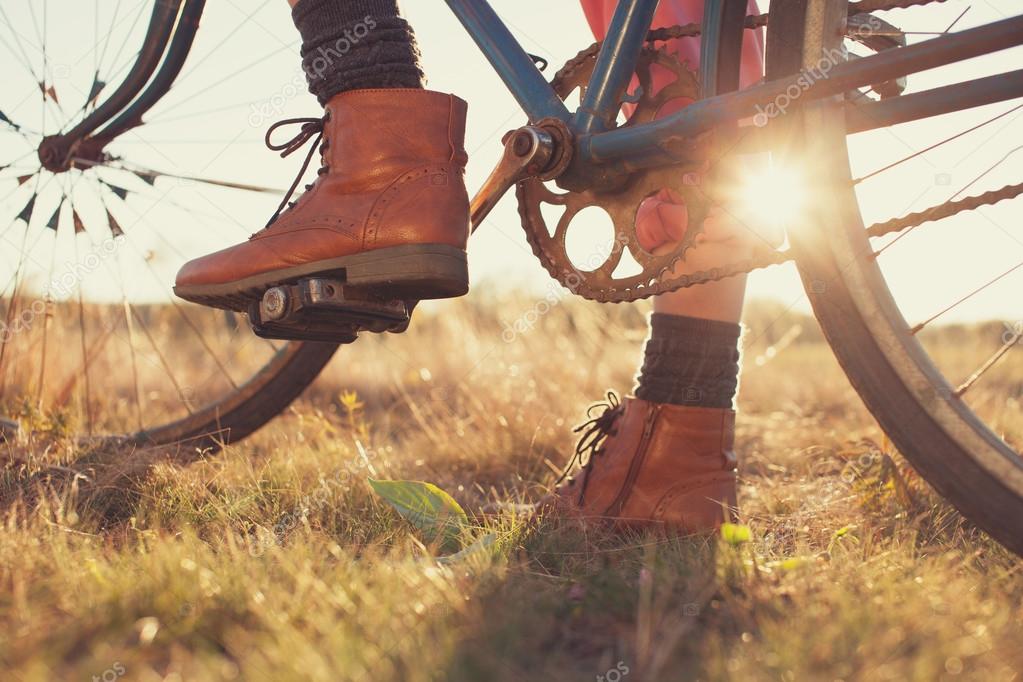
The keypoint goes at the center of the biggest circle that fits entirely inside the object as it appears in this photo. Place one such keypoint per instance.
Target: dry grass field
(275, 560)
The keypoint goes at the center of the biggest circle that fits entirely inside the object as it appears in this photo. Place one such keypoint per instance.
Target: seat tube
(721, 46)
(615, 65)
(721, 37)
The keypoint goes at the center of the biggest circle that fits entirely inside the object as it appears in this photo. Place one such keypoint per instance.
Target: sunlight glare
(776, 194)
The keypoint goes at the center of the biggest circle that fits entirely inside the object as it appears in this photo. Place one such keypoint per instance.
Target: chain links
(884, 5)
(945, 210)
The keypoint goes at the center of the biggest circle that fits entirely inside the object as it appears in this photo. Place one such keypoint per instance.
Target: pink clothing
(663, 219)
(679, 12)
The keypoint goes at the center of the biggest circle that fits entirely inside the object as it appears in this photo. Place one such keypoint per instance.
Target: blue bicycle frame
(597, 143)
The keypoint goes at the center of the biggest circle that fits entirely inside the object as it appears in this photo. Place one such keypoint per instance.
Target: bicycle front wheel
(93, 341)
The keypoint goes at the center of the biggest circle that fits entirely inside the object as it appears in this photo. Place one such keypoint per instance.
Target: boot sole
(409, 272)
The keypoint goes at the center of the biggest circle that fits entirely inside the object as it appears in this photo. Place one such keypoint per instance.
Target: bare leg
(720, 301)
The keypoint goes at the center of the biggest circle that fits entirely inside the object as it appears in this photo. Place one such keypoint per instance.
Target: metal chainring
(596, 279)
(598, 284)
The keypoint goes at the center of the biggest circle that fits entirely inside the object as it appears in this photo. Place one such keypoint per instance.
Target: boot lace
(311, 128)
(595, 433)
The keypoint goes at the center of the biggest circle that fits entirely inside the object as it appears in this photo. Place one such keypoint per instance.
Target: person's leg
(389, 211)
(666, 456)
(724, 239)
(354, 45)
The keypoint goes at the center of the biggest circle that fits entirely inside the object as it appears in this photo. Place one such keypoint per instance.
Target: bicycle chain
(766, 257)
(945, 210)
(864, 6)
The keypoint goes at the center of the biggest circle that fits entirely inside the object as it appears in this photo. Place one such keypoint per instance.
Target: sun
(775, 194)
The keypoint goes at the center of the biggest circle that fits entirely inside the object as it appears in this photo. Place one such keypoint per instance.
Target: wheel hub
(55, 154)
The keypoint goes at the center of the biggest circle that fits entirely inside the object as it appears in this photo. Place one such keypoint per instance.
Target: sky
(244, 74)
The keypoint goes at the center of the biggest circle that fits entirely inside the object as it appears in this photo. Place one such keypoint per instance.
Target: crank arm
(527, 152)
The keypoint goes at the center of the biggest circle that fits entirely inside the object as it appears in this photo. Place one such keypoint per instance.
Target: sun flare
(776, 194)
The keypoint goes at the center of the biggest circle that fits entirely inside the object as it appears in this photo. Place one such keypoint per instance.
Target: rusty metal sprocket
(551, 251)
(595, 277)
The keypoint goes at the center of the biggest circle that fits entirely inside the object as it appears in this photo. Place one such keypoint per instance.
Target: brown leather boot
(389, 211)
(654, 465)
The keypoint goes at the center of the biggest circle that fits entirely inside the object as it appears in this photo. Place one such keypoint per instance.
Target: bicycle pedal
(320, 309)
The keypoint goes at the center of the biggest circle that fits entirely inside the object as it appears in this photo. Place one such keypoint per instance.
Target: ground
(275, 560)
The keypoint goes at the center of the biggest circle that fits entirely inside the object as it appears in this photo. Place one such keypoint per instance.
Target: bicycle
(593, 156)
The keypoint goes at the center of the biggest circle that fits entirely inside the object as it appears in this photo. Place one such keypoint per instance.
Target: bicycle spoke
(191, 97)
(937, 144)
(47, 314)
(181, 313)
(86, 361)
(916, 329)
(5, 119)
(951, 207)
(157, 120)
(120, 49)
(134, 359)
(163, 360)
(12, 308)
(220, 45)
(21, 181)
(125, 305)
(988, 364)
(17, 41)
(30, 208)
(18, 58)
(195, 330)
(122, 193)
(42, 41)
(79, 228)
(12, 162)
(153, 174)
(133, 318)
(98, 57)
(957, 19)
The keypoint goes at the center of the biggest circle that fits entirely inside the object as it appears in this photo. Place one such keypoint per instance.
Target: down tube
(533, 93)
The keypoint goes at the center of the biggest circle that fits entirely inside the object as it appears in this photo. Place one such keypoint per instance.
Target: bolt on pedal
(323, 309)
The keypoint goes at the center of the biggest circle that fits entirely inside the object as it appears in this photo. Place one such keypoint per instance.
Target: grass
(274, 560)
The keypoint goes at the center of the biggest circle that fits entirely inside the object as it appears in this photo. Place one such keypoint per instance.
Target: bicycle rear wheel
(93, 341)
(930, 405)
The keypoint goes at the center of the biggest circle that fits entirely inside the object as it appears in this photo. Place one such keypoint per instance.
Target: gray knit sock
(354, 45)
(690, 361)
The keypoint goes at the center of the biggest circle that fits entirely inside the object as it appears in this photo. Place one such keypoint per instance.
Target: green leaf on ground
(476, 550)
(425, 506)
